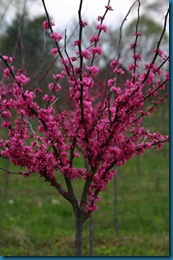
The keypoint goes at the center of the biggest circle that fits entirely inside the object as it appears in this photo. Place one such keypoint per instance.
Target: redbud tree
(101, 122)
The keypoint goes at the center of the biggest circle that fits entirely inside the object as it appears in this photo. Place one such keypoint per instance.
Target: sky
(63, 11)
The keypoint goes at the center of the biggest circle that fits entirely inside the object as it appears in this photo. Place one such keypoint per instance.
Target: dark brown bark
(78, 236)
(80, 217)
(91, 237)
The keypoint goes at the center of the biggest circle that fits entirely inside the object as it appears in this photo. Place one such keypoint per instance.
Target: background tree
(24, 41)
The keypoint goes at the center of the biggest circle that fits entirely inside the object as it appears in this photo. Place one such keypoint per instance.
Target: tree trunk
(78, 235)
(91, 239)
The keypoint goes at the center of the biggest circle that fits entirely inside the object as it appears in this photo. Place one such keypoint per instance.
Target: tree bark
(78, 235)
(91, 238)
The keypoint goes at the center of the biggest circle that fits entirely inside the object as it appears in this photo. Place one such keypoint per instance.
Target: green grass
(36, 221)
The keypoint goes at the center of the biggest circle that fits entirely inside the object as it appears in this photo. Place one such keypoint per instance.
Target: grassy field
(36, 221)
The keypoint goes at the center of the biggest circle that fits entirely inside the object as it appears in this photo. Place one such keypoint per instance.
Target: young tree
(102, 123)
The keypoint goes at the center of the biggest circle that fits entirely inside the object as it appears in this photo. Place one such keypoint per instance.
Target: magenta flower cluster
(106, 130)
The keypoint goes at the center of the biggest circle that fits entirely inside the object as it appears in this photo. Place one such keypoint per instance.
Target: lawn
(36, 221)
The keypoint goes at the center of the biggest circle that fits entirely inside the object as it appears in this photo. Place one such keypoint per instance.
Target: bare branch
(158, 44)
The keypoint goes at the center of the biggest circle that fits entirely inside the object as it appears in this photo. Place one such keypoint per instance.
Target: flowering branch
(102, 123)
(121, 28)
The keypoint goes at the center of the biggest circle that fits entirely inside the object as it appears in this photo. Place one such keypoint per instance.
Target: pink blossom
(57, 76)
(56, 36)
(94, 39)
(166, 76)
(161, 53)
(102, 27)
(96, 50)
(137, 56)
(133, 45)
(7, 73)
(137, 34)
(46, 25)
(29, 95)
(22, 79)
(85, 54)
(133, 66)
(120, 71)
(94, 69)
(108, 7)
(65, 61)
(48, 98)
(83, 24)
(114, 63)
(7, 114)
(73, 58)
(55, 87)
(73, 112)
(111, 82)
(116, 90)
(77, 70)
(54, 51)
(76, 42)
(6, 124)
(99, 18)
(7, 58)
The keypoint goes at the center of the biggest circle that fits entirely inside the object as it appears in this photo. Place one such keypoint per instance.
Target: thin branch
(158, 45)
(150, 109)
(65, 50)
(21, 41)
(81, 60)
(86, 189)
(8, 171)
(103, 177)
(56, 185)
(67, 180)
(39, 79)
(80, 35)
(99, 32)
(121, 28)
(5, 11)
(11, 71)
(155, 89)
(136, 39)
(120, 42)
(56, 43)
